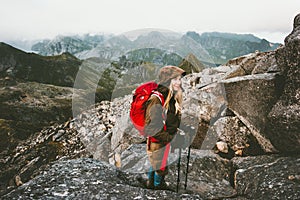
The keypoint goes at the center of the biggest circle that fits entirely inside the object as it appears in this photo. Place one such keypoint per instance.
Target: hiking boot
(146, 183)
(162, 186)
(159, 182)
(150, 184)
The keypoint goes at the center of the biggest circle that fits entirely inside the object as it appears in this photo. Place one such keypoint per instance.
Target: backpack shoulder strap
(159, 96)
(162, 100)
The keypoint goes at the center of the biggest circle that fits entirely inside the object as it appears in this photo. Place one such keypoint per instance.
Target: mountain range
(214, 48)
(57, 70)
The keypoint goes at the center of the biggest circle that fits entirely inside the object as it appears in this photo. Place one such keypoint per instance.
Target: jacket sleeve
(154, 121)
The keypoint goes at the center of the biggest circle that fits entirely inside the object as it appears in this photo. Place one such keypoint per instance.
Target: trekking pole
(187, 167)
(178, 166)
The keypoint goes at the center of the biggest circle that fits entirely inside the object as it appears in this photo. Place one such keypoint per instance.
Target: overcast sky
(30, 19)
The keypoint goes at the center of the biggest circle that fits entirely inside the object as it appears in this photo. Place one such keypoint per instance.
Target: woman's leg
(158, 154)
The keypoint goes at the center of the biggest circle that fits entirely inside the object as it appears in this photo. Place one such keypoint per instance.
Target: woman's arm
(155, 122)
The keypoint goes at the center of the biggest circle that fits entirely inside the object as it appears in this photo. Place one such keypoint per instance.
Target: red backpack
(138, 108)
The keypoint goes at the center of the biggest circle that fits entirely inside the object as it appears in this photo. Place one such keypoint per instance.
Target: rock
(18, 181)
(256, 63)
(100, 148)
(222, 147)
(86, 179)
(294, 35)
(190, 64)
(251, 98)
(32, 155)
(205, 105)
(267, 177)
(284, 118)
(124, 133)
(246, 62)
(235, 72)
(135, 159)
(232, 132)
(266, 63)
(208, 175)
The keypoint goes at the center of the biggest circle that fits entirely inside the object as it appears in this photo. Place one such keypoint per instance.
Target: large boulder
(256, 63)
(190, 64)
(284, 117)
(204, 101)
(251, 98)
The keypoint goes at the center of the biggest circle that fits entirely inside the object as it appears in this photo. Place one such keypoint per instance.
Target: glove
(164, 136)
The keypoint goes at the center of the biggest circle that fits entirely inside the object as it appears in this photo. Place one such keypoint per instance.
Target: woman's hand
(164, 136)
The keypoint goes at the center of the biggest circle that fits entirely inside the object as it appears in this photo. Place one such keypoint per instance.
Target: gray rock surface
(285, 115)
(251, 97)
(87, 179)
(267, 177)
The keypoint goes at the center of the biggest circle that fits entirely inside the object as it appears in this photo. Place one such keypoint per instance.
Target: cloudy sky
(36, 19)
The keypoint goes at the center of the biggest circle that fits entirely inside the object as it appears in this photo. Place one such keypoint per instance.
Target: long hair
(178, 99)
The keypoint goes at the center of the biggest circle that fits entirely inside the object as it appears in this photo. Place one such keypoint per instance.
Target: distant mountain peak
(133, 35)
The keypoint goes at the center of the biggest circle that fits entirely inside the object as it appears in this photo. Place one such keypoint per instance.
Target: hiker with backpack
(162, 120)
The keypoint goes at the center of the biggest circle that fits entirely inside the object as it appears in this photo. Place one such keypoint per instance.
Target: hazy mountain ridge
(71, 44)
(157, 56)
(224, 46)
(232, 36)
(219, 47)
(58, 70)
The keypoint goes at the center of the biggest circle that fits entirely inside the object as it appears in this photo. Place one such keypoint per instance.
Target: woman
(162, 122)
